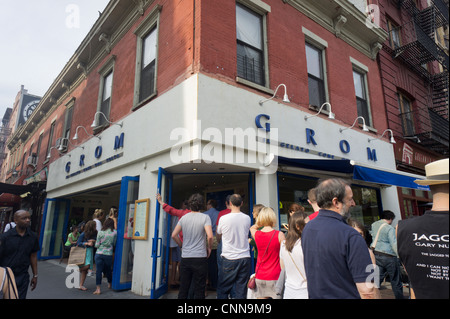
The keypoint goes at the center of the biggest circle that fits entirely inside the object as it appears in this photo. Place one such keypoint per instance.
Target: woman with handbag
(87, 240)
(8, 288)
(291, 257)
(268, 263)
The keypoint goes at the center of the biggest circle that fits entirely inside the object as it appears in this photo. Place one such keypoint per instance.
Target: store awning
(357, 171)
(14, 189)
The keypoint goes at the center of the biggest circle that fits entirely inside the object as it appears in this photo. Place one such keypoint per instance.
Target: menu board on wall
(140, 220)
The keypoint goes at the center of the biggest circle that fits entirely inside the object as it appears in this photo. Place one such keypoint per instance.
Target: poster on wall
(140, 220)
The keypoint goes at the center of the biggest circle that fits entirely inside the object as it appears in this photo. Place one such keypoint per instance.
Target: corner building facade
(178, 97)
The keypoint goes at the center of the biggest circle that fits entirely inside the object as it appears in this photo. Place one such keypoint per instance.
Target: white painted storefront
(200, 120)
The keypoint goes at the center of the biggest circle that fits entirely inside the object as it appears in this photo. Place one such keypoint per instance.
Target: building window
(105, 93)
(148, 66)
(68, 118)
(38, 149)
(394, 34)
(406, 115)
(362, 105)
(147, 34)
(106, 98)
(316, 75)
(50, 138)
(250, 45)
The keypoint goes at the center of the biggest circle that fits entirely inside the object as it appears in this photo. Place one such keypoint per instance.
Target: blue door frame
(121, 223)
(55, 213)
(160, 251)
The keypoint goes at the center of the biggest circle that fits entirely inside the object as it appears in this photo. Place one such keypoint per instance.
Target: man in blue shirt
(337, 260)
(384, 245)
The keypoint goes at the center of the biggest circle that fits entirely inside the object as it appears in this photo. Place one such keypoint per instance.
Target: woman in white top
(291, 259)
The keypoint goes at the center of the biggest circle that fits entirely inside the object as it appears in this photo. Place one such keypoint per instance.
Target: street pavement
(52, 285)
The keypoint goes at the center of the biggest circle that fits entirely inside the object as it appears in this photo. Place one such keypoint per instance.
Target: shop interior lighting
(378, 138)
(330, 114)
(285, 97)
(365, 129)
(95, 122)
(75, 137)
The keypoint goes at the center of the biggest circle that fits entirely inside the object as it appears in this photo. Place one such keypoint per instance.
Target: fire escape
(421, 52)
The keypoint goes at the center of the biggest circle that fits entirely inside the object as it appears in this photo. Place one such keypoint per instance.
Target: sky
(37, 38)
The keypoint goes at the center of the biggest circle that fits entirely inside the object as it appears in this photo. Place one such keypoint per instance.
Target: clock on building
(29, 108)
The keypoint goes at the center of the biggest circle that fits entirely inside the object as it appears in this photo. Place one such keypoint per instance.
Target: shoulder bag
(374, 244)
(77, 256)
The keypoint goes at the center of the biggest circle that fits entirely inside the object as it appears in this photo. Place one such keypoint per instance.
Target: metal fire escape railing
(418, 48)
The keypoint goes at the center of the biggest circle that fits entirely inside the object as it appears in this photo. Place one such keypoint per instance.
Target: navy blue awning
(357, 171)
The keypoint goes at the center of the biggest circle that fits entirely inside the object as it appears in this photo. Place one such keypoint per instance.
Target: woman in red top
(268, 263)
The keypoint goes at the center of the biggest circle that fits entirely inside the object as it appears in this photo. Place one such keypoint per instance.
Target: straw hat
(437, 173)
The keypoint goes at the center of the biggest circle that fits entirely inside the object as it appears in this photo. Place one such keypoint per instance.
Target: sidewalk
(52, 285)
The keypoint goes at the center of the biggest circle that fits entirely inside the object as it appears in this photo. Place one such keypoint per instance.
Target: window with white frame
(68, 118)
(316, 75)
(50, 138)
(148, 66)
(105, 105)
(362, 98)
(105, 93)
(250, 45)
(147, 57)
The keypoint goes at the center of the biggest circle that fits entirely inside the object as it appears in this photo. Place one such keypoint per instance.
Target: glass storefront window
(294, 189)
(406, 191)
(367, 208)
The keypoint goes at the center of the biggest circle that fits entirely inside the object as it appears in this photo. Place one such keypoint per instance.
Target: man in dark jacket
(18, 250)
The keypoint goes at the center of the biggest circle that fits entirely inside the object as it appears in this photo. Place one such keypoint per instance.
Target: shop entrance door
(54, 224)
(161, 239)
(124, 253)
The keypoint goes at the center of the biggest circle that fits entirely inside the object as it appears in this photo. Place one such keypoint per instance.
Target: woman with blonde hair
(99, 215)
(268, 244)
(113, 214)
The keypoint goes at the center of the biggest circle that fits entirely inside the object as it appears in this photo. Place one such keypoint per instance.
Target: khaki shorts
(266, 289)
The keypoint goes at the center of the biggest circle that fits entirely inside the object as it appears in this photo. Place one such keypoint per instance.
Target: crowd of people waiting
(322, 256)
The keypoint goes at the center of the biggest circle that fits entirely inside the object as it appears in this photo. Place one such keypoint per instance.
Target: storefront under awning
(357, 171)
(14, 189)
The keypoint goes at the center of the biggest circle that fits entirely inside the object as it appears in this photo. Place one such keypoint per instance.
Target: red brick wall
(397, 77)
(287, 60)
(213, 46)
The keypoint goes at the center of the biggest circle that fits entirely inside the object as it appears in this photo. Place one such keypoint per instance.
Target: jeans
(104, 265)
(22, 283)
(193, 270)
(234, 273)
(390, 265)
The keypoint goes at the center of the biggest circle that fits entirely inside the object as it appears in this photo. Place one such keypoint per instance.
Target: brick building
(414, 72)
(255, 97)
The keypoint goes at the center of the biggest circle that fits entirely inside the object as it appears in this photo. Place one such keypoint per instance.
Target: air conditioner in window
(62, 144)
(32, 160)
